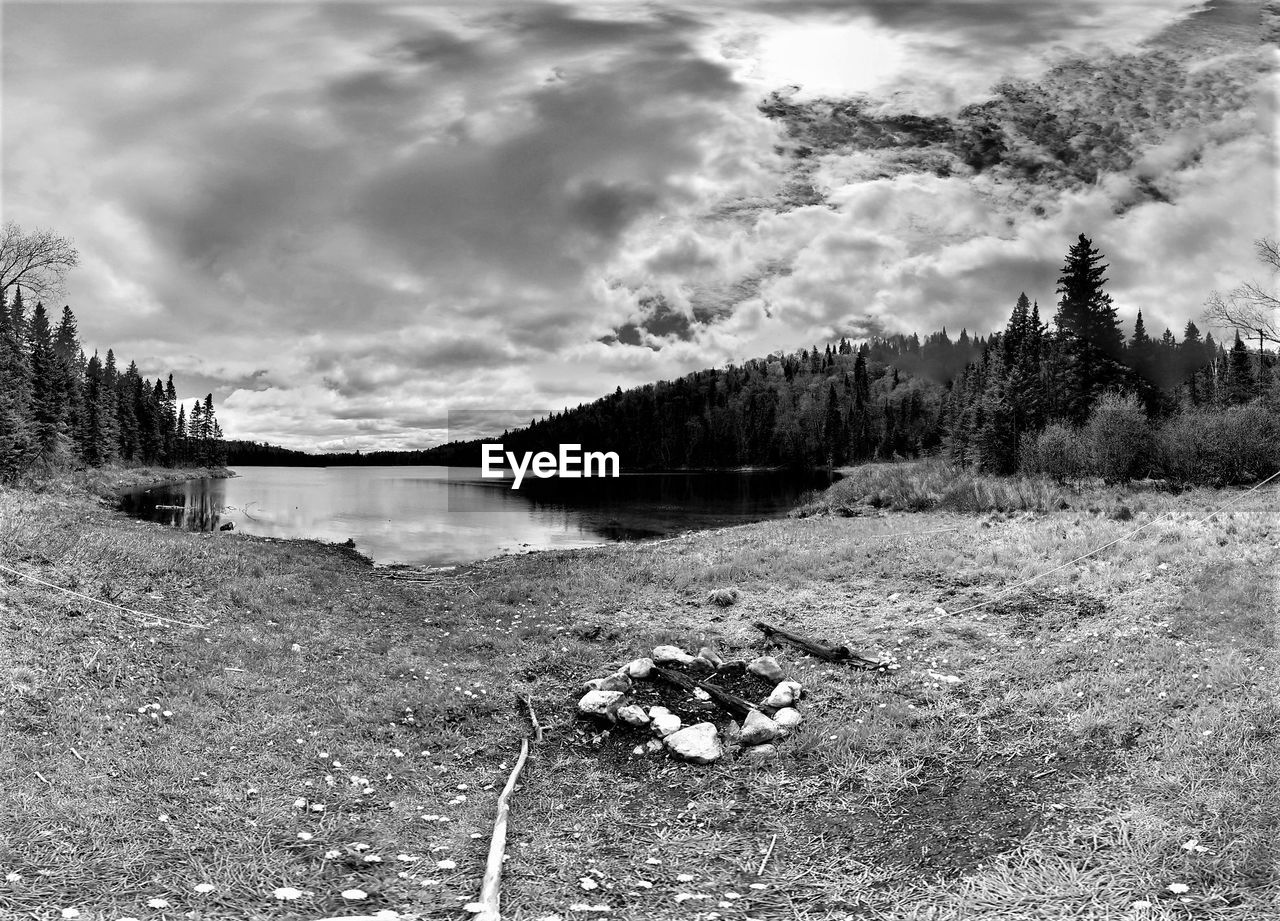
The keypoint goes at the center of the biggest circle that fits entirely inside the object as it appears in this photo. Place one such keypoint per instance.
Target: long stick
(486, 907)
(815, 648)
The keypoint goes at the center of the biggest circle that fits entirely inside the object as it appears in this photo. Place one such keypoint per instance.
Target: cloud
(345, 220)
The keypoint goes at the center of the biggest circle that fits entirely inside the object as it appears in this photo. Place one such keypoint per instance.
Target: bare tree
(37, 261)
(1251, 309)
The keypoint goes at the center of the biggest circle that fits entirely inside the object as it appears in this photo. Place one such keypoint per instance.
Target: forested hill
(983, 401)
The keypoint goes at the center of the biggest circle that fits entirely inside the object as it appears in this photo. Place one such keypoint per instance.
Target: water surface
(442, 515)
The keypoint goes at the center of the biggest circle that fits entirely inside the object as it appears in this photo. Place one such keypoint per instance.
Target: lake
(441, 515)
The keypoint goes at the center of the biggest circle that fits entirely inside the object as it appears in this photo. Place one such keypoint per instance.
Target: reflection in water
(436, 515)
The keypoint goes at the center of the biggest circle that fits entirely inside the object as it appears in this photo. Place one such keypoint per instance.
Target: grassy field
(1109, 751)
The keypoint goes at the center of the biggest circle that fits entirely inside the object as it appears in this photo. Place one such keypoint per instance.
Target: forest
(1070, 397)
(61, 410)
(1073, 397)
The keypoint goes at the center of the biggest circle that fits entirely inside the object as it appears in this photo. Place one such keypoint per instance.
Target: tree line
(984, 402)
(60, 409)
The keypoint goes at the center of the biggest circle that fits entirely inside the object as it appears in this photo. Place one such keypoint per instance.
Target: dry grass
(926, 485)
(1102, 721)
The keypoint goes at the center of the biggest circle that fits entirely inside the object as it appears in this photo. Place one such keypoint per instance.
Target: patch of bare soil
(1032, 612)
(962, 814)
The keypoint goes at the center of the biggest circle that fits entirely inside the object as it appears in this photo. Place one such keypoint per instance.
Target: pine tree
(1088, 331)
(1241, 384)
(16, 450)
(46, 389)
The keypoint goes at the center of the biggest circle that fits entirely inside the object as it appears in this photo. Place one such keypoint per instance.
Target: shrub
(1119, 439)
(1219, 447)
(1057, 452)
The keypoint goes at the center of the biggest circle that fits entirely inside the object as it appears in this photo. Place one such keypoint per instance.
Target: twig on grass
(533, 717)
(767, 855)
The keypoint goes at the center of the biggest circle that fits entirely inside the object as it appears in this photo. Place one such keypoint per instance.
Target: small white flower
(304, 836)
(317, 807)
(1141, 903)
(70, 912)
(204, 887)
(299, 803)
(685, 877)
(372, 858)
(354, 895)
(447, 864)
(588, 883)
(13, 877)
(332, 855)
(287, 893)
(1177, 888)
(157, 903)
(360, 846)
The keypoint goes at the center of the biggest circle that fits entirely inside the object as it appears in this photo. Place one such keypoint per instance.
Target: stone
(602, 704)
(618, 682)
(638, 750)
(664, 721)
(231, 526)
(787, 719)
(652, 746)
(766, 667)
(944, 679)
(633, 715)
(895, 596)
(764, 752)
(707, 654)
(699, 743)
(758, 729)
(700, 694)
(784, 695)
(639, 668)
(666, 655)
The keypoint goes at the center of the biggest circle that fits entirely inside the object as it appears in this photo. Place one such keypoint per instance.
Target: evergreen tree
(46, 395)
(1240, 384)
(16, 449)
(1088, 332)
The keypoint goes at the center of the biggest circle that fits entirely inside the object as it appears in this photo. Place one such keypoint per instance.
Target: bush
(1057, 452)
(1119, 439)
(1219, 447)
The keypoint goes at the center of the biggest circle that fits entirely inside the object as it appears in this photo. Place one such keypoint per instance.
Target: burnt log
(730, 703)
(817, 648)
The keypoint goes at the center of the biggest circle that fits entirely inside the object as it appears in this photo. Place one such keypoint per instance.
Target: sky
(349, 220)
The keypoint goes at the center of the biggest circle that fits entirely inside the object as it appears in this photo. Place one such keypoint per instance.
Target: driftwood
(487, 907)
(732, 703)
(819, 649)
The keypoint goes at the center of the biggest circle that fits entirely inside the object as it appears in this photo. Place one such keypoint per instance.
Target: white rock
(701, 694)
(638, 750)
(664, 655)
(945, 679)
(784, 695)
(761, 752)
(633, 715)
(707, 654)
(895, 596)
(600, 703)
(639, 668)
(664, 721)
(699, 743)
(758, 729)
(787, 719)
(766, 667)
(653, 745)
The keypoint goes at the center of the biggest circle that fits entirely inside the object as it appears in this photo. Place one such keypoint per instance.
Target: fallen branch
(486, 908)
(533, 717)
(735, 705)
(819, 649)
